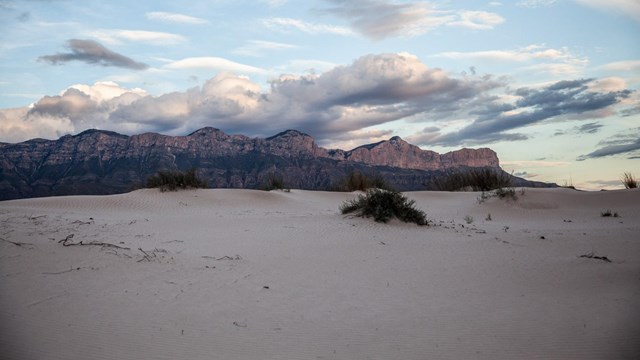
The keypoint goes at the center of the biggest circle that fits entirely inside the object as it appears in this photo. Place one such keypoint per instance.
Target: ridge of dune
(247, 274)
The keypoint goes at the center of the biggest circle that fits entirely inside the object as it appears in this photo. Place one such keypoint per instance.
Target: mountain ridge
(105, 162)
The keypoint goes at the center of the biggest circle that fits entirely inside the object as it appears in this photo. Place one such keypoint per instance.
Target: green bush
(175, 180)
(383, 205)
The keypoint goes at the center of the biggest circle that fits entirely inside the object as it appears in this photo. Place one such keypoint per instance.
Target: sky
(551, 85)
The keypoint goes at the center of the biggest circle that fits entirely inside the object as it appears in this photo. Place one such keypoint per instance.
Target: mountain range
(104, 162)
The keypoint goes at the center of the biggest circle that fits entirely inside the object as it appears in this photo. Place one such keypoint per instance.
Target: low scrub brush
(383, 205)
(175, 180)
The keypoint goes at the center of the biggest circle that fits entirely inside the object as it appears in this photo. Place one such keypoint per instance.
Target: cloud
(92, 52)
(274, 3)
(257, 48)
(627, 143)
(535, 163)
(535, 3)
(478, 20)
(379, 19)
(590, 128)
(286, 24)
(496, 121)
(629, 8)
(150, 37)
(77, 108)
(373, 90)
(560, 61)
(215, 63)
(628, 65)
(352, 100)
(175, 18)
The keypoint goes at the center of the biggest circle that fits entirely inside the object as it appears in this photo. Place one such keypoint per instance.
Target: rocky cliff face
(398, 153)
(102, 162)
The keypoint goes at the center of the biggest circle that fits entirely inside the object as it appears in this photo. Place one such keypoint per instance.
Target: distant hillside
(104, 162)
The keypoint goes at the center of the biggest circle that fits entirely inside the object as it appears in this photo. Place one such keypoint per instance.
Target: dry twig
(16, 243)
(65, 242)
(591, 255)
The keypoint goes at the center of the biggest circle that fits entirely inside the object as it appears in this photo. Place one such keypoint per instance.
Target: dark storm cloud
(92, 52)
(590, 128)
(627, 143)
(533, 106)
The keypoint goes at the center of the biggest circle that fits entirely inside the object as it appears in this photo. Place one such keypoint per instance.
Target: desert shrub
(274, 182)
(629, 181)
(501, 193)
(485, 179)
(357, 181)
(174, 180)
(506, 193)
(383, 205)
(609, 213)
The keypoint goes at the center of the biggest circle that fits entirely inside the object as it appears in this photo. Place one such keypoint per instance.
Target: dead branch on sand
(65, 242)
(16, 243)
(226, 257)
(61, 272)
(591, 255)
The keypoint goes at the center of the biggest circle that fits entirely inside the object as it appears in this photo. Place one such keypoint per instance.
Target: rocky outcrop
(398, 153)
(103, 162)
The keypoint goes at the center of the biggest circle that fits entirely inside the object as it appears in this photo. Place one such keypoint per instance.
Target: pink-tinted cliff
(396, 152)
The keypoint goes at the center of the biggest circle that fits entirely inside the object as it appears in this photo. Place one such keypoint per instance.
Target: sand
(242, 274)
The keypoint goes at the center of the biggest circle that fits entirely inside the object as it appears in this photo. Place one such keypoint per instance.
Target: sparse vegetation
(508, 193)
(275, 182)
(609, 213)
(568, 184)
(485, 179)
(167, 180)
(488, 218)
(468, 219)
(502, 193)
(629, 181)
(357, 181)
(383, 205)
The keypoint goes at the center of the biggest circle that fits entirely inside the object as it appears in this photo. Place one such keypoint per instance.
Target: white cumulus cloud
(478, 20)
(175, 18)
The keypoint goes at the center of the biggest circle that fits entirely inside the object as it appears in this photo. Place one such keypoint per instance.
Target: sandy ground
(241, 274)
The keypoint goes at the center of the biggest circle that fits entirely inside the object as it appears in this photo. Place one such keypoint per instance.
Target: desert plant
(468, 219)
(501, 193)
(484, 179)
(383, 205)
(488, 218)
(629, 181)
(609, 213)
(506, 193)
(274, 182)
(174, 180)
(357, 181)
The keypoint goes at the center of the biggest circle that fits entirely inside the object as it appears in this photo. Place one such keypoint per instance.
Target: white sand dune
(240, 274)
